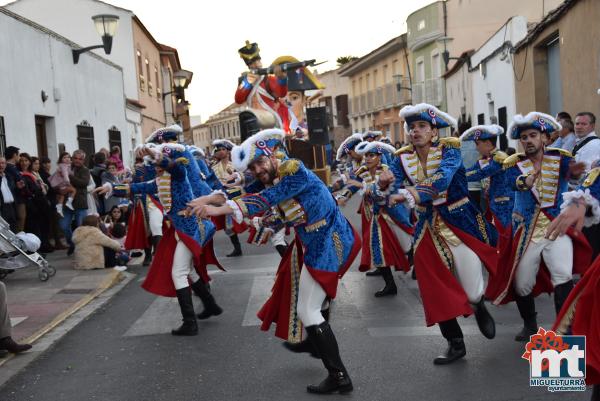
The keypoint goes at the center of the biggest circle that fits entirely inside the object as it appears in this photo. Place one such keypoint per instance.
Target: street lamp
(179, 80)
(106, 26)
(446, 54)
(398, 78)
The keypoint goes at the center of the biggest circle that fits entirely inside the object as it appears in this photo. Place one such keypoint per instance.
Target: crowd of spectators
(58, 204)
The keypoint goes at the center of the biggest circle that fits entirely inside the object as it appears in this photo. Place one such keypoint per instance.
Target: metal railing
(430, 91)
(383, 97)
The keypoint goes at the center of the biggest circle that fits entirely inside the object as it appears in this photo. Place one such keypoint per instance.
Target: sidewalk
(36, 307)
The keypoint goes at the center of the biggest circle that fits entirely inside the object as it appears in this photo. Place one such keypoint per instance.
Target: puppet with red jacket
(262, 92)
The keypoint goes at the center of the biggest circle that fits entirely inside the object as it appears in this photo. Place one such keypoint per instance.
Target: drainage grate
(75, 291)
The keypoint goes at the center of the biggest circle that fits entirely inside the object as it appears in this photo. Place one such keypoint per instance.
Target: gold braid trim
(591, 177)
(405, 149)
(512, 160)
(499, 156)
(450, 142)
(561, 151)
(288, 167)
(339, 247)
(182, 160)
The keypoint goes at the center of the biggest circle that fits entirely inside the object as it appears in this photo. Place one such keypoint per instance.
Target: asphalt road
(124, 350)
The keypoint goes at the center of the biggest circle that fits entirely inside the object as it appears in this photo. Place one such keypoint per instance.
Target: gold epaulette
(512, 160)
(384, 167)
(591, 177)
(182, 160)
(360, 170)
(561, 151)
(500, 156)
(450, 142)
(404, 149)
(288, 167)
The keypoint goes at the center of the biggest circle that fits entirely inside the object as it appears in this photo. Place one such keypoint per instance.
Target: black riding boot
(324, 341)
(306, 345)
(485, 321)
(526, 306)
(237, 247)
(561, 292)
(281, 249)
(210, 305)
(456, 346)
(375, 272)
(147, 257)
(390, 285)
(189, 326)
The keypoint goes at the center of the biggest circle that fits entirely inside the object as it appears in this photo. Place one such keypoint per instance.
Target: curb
(113, 278)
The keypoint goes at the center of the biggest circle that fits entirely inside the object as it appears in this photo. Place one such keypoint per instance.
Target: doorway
(41, 137)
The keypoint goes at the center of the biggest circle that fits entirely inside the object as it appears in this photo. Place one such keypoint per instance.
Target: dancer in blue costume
(324, 247)
(382, 247)
(186, 243)
(539, 177)
(453, 242)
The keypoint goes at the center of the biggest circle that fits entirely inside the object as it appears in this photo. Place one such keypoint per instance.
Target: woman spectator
(115, 156)
(36, 203)
(113, 217)
(57, 238)
(91, 246)
(111, 176)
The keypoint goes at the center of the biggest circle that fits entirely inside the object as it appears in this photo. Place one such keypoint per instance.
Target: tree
(345, 60)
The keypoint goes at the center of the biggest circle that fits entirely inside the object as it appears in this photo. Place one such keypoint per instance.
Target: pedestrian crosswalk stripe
(261, 289)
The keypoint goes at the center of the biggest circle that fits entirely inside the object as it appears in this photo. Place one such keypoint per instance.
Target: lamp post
(106, 26)
(446, 54)
(179, 81)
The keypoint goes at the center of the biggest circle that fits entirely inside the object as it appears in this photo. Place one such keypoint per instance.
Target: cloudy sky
(207, 35)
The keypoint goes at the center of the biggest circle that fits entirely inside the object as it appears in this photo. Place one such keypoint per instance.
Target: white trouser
(194, 275)
(310, 299)
(558, 257)
(278, 238)
(182, 265)
(469, 271)
(405, 240)
(155, 219)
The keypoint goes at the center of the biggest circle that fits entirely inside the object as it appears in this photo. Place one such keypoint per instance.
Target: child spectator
(91, 246)
(61, 184)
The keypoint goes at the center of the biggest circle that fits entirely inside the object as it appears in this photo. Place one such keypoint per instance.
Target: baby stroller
(14, 254)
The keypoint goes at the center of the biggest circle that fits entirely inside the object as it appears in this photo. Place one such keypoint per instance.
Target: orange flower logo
(542, 341)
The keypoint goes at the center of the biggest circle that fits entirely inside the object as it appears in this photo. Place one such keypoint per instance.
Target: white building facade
(73, 19)
(493, 76)
(50, 104)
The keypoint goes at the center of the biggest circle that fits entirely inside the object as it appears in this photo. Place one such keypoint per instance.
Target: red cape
(237, 228)
(581, 311)
(137, 236)
(159, 281)
(280, 308)
(442, 295)
(393, 255)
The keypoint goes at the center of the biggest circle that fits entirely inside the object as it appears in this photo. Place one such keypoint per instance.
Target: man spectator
(7, 196)
(97, 170)
(80, 178)
(12, 159)
(587, 146)
(6, 341)
(566, 138)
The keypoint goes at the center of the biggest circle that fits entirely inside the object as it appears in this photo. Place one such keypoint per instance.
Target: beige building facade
(335, 98)
(558, 62)
(225, 124)
(379, 86)
(150, 88)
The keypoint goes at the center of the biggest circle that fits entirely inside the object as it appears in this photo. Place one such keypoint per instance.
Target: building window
(85, 140)
(158, 92)
(2, 136)
(114, 138)
(150, 87)
(421, 25)
(141, 71)
(436, 68)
